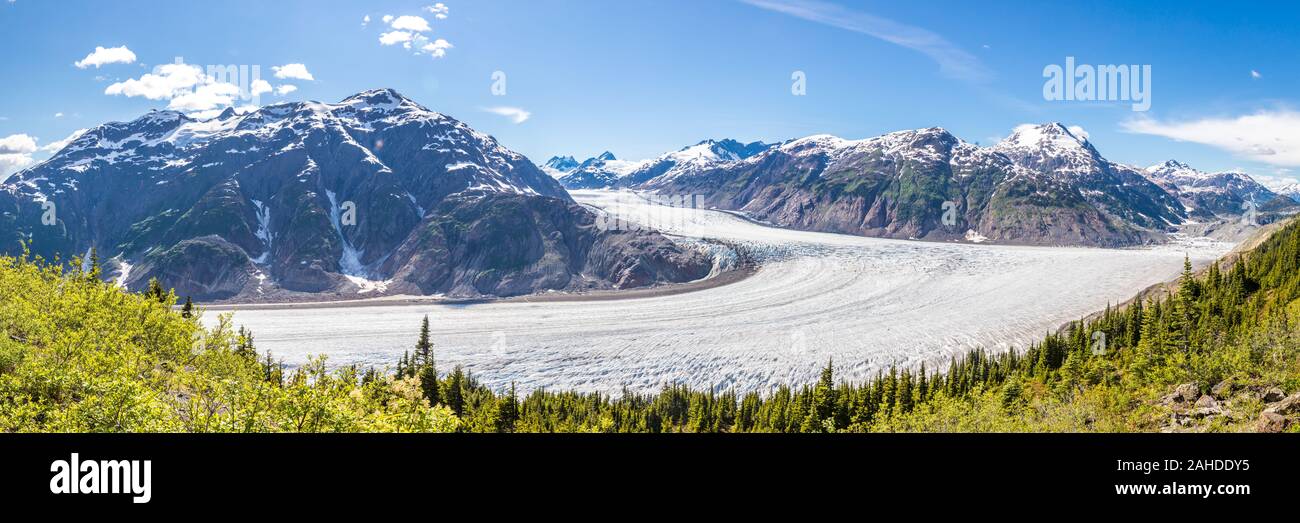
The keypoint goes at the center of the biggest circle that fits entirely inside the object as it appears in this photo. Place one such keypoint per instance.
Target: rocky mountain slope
(375, 194)
(1208, 196)
(1042, 185)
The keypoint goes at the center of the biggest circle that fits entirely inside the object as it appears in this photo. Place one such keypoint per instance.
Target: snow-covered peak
(817, 142)
(559, 166)
(1172, 168)
(1169, 165)
(164, 143)
(1049, 136)
(705, 151)
(1051, 147)
(379, 98)
(1177, 171)
(1290, 190)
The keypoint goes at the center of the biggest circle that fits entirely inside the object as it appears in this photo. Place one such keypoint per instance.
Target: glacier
(865, 303)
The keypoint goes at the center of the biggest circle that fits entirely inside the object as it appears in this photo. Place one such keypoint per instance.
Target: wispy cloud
(1271, 137)
(515, 114)
(953, 61)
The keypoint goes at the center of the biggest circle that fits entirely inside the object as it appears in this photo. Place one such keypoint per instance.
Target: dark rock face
(372, 194)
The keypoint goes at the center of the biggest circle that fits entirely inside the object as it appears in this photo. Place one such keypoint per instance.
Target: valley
(866, 303)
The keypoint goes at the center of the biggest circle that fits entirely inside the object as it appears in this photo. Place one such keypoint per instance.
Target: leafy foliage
(80, 355)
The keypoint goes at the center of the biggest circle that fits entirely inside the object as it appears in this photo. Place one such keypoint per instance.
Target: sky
(639, 78)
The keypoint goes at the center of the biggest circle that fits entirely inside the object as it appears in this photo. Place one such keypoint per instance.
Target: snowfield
(866, 303)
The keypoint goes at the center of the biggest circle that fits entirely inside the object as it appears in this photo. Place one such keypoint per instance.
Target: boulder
(1207, 406)
(1272, 422)
(1187, 393)
(1223, 389)
(1273, 394)
(1287, 406)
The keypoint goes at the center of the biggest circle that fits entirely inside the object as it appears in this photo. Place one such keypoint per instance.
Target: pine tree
(1135, 318)
(823, 401)
(244, 344)
(156, 291)
(187, 310)
(429, 382)
(424, 347)
(508, 412)
(453, 393)
(95, 270)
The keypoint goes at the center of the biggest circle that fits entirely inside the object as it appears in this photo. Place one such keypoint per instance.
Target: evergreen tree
(187, 310)
(429, 382)
(156, 291)
(508, 412)
(453, 391)
(424, 347)
(95, 270)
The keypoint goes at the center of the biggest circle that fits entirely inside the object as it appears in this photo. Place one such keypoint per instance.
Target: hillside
(372, 195)
(81, 355)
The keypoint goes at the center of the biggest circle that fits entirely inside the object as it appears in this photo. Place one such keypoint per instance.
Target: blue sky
(643, 77)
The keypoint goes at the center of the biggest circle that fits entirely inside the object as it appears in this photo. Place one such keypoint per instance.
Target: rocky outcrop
(1229, 406)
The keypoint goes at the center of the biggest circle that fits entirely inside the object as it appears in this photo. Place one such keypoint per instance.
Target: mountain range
(375, 194)
(1042, 185)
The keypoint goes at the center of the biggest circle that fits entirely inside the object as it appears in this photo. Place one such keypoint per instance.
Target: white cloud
(1255, 74)
(58, 115)
(515, 114)
(365, 21)
(186, 86)
(953, 61)
(54, 147)
(259, 87)
(1078, 131)
(17, 144)
(206, 97)
(15, 153)
(411, 23)
(293, 72)
(394, 37)
(409, 31)
(285, 89)
(12, 163)
(165, 84)
(1271, 137)
(104, 56)
(439, 10)
(438, 48)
